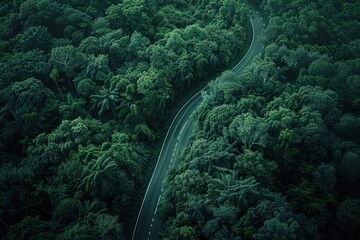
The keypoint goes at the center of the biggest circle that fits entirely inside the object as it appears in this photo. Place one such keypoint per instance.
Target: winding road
(147, 224)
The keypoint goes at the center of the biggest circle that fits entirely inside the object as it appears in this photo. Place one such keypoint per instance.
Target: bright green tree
(250, 131)
(101, 177)
(106, 101)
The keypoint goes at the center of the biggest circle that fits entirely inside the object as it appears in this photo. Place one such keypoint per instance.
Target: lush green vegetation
(275, 153)
(85, 88)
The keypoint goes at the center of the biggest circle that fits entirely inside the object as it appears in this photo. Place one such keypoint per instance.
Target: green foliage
(314, 140)
(321, 68)
(20, 66)
(248, 130)
(106, 101)
(14, 185)
(36, 38)
(137, 46)
(145, 130)
(51, 156)
(280, 119)
(28, 8)
(264, 210)
(115, 44)
(71, 134)
(129, 156)
(190, 179)
(236, 191)
(348, 169)
(296, 106)
(86, 87)
(348, 216)
(286, 138)
(90, 45)
(325, 178)
(230, 86)
(49, 13)
(30, 92)
(69, 172)
(277, 230)
(97, 68)
(30, 228)
(130, 16)
(77, 24)
(252, 104)
(182, 233)
(101, 177)
(156, 92)
(348, 127)
(28, 105)
(100, 26)
(67, 211)
(115, 69)
(62, 59)
(253, 164)
(169, 17)
(208, 154)
(217, 119)
(73, 108)
(94, 226)
(318, 99)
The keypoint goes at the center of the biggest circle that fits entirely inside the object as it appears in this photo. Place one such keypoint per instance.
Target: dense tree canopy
(278, 144)
(86, 88)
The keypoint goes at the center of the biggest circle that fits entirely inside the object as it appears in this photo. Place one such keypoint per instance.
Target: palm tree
(142, 128)
(106, 101)
(100, 177)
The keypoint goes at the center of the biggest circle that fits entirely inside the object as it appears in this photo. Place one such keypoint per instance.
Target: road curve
(147, 224)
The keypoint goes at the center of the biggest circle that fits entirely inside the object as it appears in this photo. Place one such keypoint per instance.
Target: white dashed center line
(157, 205)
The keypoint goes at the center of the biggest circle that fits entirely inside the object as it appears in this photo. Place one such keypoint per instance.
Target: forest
(87, 89)
(275, 152)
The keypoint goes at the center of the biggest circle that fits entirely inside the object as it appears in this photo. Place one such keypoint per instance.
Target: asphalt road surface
(148, 225)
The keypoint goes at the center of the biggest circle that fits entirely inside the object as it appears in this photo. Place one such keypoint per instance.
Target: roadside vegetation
(85, 88)
(275, 152)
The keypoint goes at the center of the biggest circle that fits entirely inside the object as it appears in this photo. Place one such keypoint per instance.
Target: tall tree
(250, 131)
